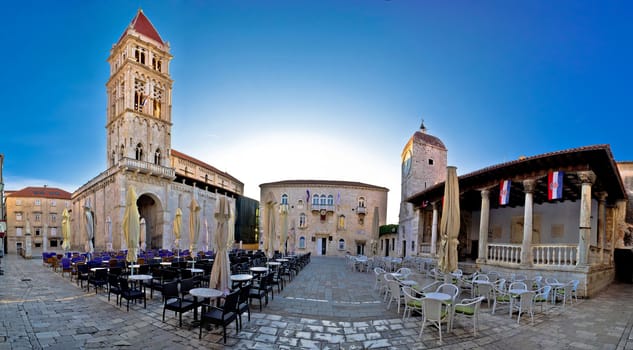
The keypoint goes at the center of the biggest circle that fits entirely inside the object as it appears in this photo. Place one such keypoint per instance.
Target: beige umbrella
(90, 228)
(177, 229)
(143, 238)
(194, 226)
(284, 230)
(131, 225)
(221, 271)
(375, 229)
(449, 224)
(66, 230)
(271, 231)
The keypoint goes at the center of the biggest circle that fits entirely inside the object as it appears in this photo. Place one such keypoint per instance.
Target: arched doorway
(150, 208)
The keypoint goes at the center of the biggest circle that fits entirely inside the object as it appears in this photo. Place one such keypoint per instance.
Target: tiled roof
(335, 183)
(40, 192)
(142, 25)
(203, 164)
(429, 139)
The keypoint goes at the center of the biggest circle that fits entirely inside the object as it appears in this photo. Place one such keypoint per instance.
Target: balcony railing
(326, 207)
(147, 168)
(555, 254)
(504, 253)
(361, 210)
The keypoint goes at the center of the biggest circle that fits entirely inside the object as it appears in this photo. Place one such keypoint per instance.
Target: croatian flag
(555, 185)
(504, 192)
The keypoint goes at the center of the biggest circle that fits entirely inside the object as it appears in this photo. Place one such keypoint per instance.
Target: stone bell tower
(424, 160)
(138, 122)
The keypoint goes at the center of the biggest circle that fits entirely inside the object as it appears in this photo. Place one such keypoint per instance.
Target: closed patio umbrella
(90, 228)
(449, 224)
(220, 272)
(66, 230)
(177, 229)
(271, 231)
(131, 225)
(284, 231)
(194, 226)
(143, 237)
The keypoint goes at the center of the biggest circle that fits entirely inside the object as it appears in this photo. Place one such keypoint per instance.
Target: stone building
(423, 166)
(323, 217)
(34, 217)
(560, 214)
(138, 153)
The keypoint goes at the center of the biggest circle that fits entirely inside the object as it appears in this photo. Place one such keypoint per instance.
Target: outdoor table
(438, 296)
(205, 293)
(555, 286)
(282, 260)
(136, 278)
(513, 294)
(396, 275)
(165, 263)
(94, 269)
(194, 270)
(241, 278)
(273, 263)
(408, 283)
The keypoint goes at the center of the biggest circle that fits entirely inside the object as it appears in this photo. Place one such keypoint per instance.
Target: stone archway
(150, 208)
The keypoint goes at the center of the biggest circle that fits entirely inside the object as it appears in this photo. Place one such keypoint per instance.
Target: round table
(205, 293)
(140, 278)
(241, 278)
(273, 263)
(165, 263)
(93, 269)
(438, 296)
(259, 269)
(194, 270)
(282, 260)
(409, 283)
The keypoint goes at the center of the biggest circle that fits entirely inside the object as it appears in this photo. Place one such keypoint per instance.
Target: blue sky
(276, 90)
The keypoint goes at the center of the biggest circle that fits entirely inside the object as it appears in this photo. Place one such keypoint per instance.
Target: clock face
(406, 163)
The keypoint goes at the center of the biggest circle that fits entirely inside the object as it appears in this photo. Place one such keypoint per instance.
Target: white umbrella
(221, 271)
(284, 231)
(90, 228)
(375, 228)
(194, 226)
(109, 232)
(206, 235)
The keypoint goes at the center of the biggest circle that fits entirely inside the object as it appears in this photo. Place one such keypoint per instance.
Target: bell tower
(139, 90)
(424, 160)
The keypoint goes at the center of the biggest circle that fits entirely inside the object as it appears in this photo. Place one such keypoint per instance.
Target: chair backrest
(186, 285)
(575, 284)
(230, 302)
(113, 280)
(481, 277)
(550, 280)
(500, 284)
(101, 274)
(493, 275)
(526, 299)
(123, 283)
(244, 293)
(430, 287)
(449, 289)
(409, 295)
(170, 290)
(518, 285)
(394, 288)
(66, 263)
(543, 293)
(432, 309)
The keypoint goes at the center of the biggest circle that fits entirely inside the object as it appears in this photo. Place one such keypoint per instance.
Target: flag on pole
(504, 192)
(307, 195)
(338, 198)
(555, 185)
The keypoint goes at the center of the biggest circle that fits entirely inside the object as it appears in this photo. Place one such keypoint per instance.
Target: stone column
(483, 226)
(587, 178)
(526, 247)
(434, 230)
(602, 197)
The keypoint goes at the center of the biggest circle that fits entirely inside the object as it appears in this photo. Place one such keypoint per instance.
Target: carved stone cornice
(587, 176)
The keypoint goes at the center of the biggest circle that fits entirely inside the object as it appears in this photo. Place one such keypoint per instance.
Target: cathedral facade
(138, 154)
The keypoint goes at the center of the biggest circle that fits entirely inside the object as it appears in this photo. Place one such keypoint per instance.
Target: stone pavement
(326, 306)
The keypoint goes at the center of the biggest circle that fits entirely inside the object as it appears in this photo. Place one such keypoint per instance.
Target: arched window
(300, 204)
(330, 200)
(113, 158)
(322, 200)
(302, 242)
(302, 220)
(139, 151)
(361, 202)
(122, 152)
(284, 199)
(315, 199)
(157, 156)
(341, 244)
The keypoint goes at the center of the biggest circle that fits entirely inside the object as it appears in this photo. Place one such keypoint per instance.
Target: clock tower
(424, 160)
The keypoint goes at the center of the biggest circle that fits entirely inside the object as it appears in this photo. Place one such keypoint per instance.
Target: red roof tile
(142, 25)
(203, 164)
(40, 192)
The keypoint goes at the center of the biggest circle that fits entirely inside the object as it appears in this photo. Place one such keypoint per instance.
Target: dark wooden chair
(222, 316)
(128, 293)
(113, 286)
(174, 302)
(243, 304)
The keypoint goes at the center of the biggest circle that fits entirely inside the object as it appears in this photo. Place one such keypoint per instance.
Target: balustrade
(504, 253)
(555, 254)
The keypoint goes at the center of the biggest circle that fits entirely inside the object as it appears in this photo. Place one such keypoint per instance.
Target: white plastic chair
(411, 302)
(468, 308)
(435, 312)
(395, 292)
(526, 304)
(542, 296)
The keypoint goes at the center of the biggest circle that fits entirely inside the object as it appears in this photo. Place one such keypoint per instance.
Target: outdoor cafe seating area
(418, 291)
(182, 282)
